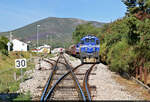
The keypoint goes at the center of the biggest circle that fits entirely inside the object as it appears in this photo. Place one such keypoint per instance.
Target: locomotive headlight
(86, 49)
(94, 49)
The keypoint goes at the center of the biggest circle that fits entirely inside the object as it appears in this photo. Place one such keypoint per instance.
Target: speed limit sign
(20, 63)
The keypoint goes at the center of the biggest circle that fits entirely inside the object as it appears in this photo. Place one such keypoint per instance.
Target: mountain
(52, 30)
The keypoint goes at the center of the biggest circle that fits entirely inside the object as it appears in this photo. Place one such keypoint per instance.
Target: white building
(19, 45)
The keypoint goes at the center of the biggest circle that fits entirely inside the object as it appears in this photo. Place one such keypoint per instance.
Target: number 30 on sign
(20, 63)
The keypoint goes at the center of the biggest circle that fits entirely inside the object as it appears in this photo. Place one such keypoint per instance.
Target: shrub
(120, 56)
(23, 97)
(103, 52)
(3, 45)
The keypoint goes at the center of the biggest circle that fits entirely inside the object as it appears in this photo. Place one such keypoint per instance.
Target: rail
(85, 83)
(50, 78)
(47, 93)
(57, 82)
(77, 82)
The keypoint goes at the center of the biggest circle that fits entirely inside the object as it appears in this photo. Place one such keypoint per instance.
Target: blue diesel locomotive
(89, 49)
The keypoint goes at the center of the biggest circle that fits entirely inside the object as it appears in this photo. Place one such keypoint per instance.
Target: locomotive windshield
(92, 40)
(82, 42)
(87, 40)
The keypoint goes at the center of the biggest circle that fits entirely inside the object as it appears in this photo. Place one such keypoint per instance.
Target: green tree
(131, 5)
(83, 30)
(3, 45)
(138, 8)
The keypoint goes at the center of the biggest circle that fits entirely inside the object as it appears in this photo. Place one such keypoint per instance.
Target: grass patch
(14, 86)
(23, 97)
(7, 70)
(50, 55)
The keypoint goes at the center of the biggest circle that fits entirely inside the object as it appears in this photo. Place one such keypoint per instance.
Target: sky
(18, 13)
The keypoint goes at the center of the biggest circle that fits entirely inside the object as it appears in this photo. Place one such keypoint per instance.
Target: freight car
(77, 48)
(71, 50)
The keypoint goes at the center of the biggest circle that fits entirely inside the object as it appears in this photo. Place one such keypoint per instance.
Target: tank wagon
(89, 49)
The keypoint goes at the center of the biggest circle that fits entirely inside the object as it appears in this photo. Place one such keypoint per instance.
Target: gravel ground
(36, 83)
(106, 87)
(37, 79)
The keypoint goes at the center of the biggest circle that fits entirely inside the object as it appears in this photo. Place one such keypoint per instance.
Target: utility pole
(51, 40)
(37, 28)
(47, 39)
(10, 36)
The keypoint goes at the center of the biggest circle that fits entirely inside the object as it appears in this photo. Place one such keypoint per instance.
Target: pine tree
(131, 4)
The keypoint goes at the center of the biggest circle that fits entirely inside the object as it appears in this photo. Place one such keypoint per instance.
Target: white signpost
(8, 44)
(19, 64)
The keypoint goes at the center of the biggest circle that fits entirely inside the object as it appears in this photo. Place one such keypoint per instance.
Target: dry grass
(7, 69)
(132, 87)
(148, 79)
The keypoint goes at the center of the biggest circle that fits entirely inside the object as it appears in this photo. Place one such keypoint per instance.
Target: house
(19, 45)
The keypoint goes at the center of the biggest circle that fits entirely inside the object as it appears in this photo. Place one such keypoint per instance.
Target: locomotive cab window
(82, 42)
(97, 42)
(86, 40)
(92, 40)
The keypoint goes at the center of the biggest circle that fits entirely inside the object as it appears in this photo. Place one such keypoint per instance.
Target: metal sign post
(21, 68)
(21, 63)
(21, 76)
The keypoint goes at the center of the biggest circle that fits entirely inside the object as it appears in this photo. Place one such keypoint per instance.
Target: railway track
(85, 82)
(64, 82)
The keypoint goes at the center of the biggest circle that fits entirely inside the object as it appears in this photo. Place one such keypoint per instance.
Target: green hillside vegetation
(125, 43)
(59, 31)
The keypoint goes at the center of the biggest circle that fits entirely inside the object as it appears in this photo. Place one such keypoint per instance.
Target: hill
(52, 30)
